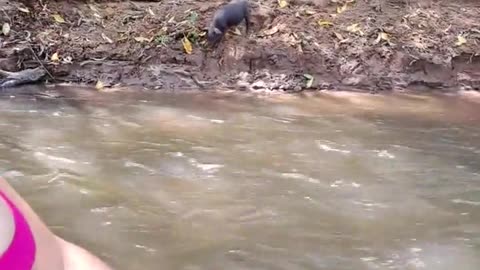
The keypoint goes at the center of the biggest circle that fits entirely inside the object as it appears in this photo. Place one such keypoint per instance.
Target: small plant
(192, 18)
(162, 39)
(194, 36)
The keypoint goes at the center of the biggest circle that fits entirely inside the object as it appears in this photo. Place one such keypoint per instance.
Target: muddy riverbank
(370, 45)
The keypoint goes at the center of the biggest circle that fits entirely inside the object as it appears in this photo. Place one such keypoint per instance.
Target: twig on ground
(40, 62)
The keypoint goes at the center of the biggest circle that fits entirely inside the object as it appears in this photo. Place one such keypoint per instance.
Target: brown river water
(227, 181)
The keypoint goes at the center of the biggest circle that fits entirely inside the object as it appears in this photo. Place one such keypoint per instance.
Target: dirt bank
(370, 45)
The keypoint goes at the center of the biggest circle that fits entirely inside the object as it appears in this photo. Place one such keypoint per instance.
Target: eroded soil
(371, 45)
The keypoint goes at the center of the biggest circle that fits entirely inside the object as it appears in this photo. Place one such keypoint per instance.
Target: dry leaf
(95, 11)
(24, 9)
(385, 36)
(99, 85)
(460, 40)
(172, 19)
(107, 38)
(93, 8)
(271, 31)
(309, 12)
(340, 37)
(58, 18)
(382, 36)
(354, 28)
(149, 10)
(237, 32)
(324, 23)
(292, 42)
(67, 60)
(142, 39)
(6, 29)
(54, 57)
(309, 80)
(282, 3)
(274, 29)
(299, 48)
(187, 45)
(341, 9)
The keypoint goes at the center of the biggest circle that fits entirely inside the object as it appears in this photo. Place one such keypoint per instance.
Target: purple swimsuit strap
(20, 255)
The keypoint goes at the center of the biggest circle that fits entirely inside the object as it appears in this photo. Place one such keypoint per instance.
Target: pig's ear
(217, 31)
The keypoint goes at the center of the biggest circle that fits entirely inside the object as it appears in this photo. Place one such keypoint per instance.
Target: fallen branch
(26, 76)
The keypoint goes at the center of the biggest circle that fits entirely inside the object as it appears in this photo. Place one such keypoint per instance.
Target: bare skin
(53, 253)
(7, 226)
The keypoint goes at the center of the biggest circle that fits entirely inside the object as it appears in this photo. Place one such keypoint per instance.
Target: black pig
(232, 14)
